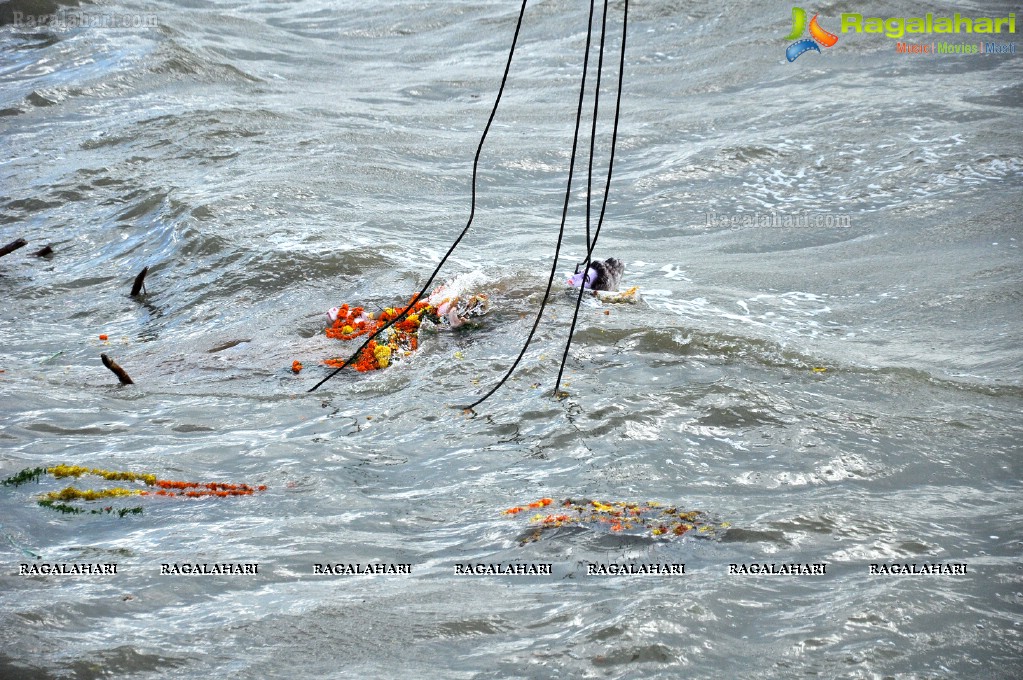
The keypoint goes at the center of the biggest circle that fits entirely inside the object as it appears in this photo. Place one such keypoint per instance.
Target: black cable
(593, 126)
(564, 216)
(607, 190)
(472, 211)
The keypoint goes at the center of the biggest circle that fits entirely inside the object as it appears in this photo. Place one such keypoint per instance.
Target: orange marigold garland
(60, 500)
(653, 519)
(402, 337)
(444, 306)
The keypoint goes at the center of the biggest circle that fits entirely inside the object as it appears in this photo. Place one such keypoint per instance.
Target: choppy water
(269, 160)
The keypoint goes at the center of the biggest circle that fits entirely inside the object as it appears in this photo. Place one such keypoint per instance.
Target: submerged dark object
(140, 282)
(12, 246)
(121, 374)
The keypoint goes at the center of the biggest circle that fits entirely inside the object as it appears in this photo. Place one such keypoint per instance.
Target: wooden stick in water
(12, 246)
(118, 371)
(139, 284)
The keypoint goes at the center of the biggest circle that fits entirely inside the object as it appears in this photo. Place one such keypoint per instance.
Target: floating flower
(296, 367)
(401, 338)
(73, 494)
(60, 471)
(59, 500)
(382, 354)
(652, 518)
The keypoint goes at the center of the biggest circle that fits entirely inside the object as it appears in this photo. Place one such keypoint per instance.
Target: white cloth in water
(455, 302)
(458, 300)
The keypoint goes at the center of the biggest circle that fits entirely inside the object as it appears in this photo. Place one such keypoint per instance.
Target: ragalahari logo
(818, 36)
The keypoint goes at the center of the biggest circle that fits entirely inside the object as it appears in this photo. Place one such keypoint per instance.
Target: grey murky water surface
(270, 160)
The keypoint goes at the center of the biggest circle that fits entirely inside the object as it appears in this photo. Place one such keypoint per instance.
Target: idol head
(577, 279)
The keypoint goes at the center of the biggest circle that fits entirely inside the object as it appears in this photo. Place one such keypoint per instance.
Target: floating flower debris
(60, 500)
(651, 518)
(402, 338)
(444, 306)
(627, 297)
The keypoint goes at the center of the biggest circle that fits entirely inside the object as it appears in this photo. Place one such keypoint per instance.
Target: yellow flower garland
(73, 494)
(58, 500)
(59, 471)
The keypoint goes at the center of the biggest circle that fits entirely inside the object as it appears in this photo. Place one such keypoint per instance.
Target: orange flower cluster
(199, 494)
(557, 520)
(352, 322)
(218, 489)
(542, 503)
(658, 520)
(211, 489)
(296, 367)
(212, 486)
(367, 361)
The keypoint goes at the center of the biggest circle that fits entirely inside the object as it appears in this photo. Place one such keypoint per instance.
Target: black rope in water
(593, 125)
(603, 207)
(472, 210)
(564, 216)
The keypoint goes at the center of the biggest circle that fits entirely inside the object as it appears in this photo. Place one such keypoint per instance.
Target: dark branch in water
(139, 284)
(12, 246)
(118, 371)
